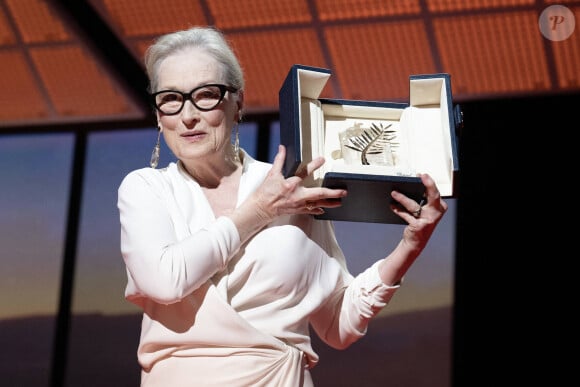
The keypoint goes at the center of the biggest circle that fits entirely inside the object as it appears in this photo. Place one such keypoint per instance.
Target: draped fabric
(212, 345)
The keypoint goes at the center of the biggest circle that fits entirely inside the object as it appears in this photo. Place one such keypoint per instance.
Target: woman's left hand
(421, 218)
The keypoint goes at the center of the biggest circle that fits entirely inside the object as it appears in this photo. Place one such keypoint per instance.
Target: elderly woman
(222, 252)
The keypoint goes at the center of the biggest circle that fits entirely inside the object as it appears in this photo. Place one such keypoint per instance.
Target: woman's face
(193, 134)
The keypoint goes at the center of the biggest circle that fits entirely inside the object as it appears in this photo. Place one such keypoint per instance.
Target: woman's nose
(189, 110)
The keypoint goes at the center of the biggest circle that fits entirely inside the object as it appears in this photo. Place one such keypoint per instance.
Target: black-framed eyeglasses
(204, 98)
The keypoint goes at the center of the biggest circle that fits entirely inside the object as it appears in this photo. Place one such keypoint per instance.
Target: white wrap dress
(219, 313)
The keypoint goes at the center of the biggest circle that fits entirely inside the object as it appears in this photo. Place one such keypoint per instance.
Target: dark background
(518, 161)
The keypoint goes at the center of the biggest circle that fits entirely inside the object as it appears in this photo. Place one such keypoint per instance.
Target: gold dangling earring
(155, 154)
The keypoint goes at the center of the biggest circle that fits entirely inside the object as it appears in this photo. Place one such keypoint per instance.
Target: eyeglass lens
(204, 98)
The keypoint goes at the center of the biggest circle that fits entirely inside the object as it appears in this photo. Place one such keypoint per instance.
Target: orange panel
(361, 9)
(567, 57)
(152, 17)
(494, 53)
(267, 58)
(6, 34)
(21, 97)
(37, 22)
(460, 5)
(254, 13)
(374, 61)
(76, 84)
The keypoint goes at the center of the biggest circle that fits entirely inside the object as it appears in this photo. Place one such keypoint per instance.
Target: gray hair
(209, 39)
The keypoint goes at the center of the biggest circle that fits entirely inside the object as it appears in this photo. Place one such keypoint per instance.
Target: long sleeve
(344, 317)
(168, 255)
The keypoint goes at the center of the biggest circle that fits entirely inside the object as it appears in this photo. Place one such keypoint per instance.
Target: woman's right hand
(278, 195)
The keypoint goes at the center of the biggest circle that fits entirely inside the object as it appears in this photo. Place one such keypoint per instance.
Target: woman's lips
(193, 136)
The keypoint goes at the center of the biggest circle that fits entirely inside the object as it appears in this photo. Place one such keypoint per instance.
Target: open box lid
(430, 107)
(301, 81)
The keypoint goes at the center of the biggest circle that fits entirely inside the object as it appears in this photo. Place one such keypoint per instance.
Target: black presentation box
(370, 147)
